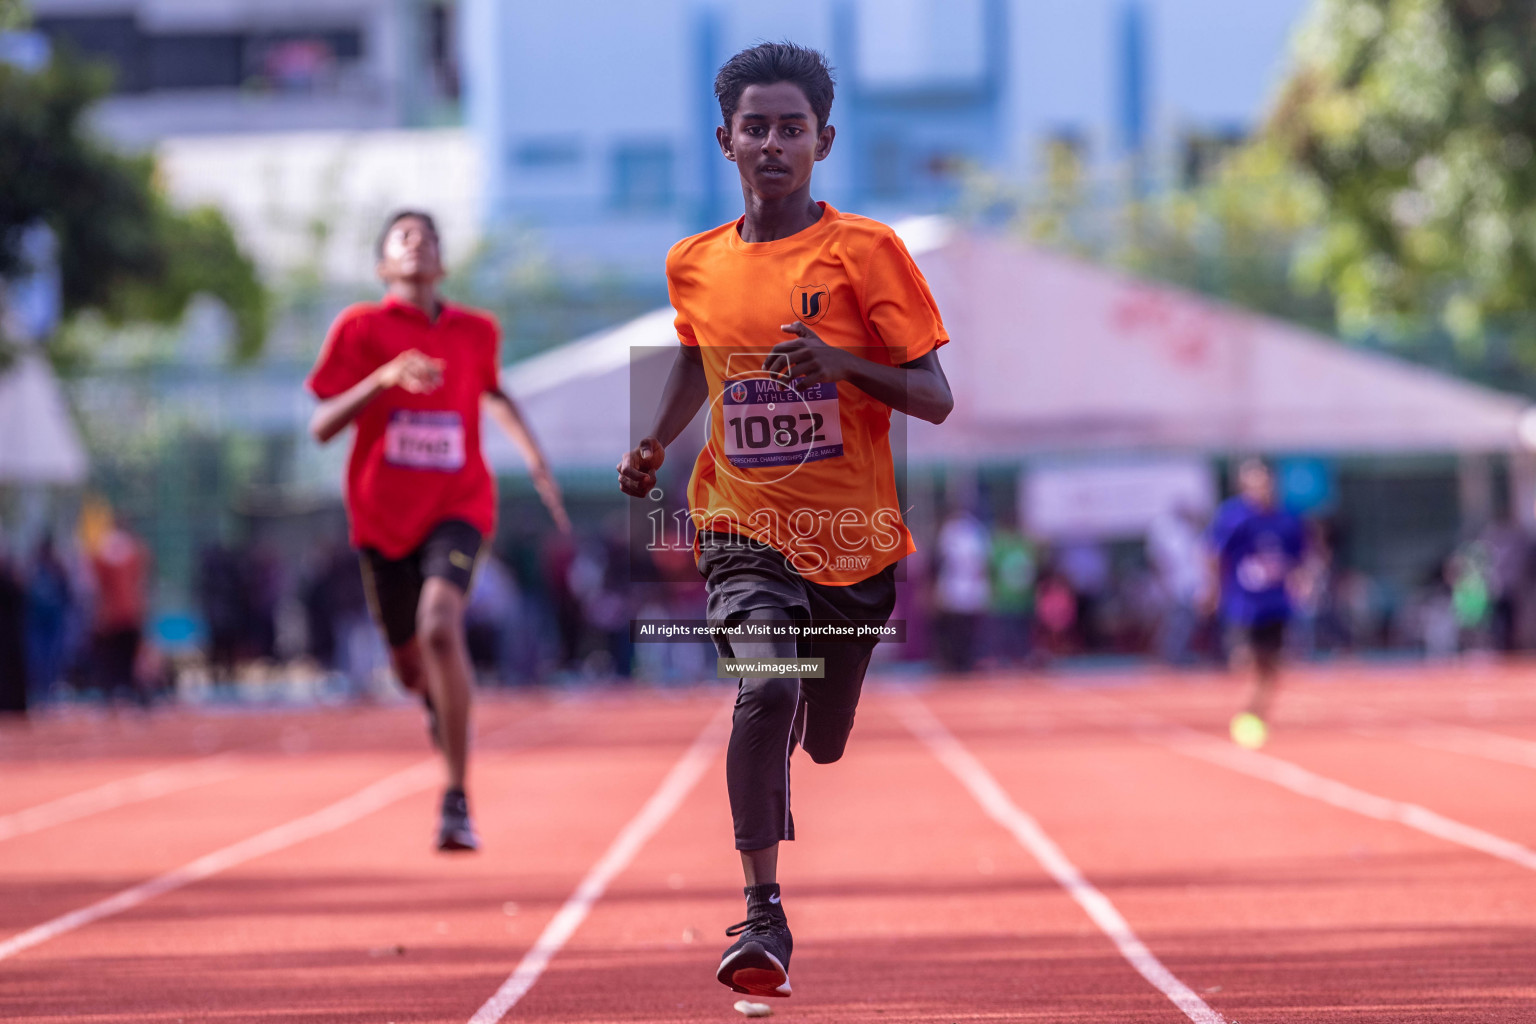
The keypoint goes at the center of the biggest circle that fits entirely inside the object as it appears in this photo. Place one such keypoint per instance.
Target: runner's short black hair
(767, 63)
(396, 218)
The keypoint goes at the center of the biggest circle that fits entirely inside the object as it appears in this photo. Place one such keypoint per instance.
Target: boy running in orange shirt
(794, 495)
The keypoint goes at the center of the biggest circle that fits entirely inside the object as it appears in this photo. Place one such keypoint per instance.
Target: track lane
(117, 792)
(1002, 808)
(907, 903)
(58, 871)
(1363, 737)
(1272, 906)
(368, 923)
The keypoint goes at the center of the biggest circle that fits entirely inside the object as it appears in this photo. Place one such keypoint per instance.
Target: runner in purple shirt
(1255, 547)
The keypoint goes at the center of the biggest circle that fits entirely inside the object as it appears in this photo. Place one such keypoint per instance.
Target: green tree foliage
(1235, 236)
(1412, 124)
(1231, 236)
(13, 15)
(1390, 194)
(123, 249)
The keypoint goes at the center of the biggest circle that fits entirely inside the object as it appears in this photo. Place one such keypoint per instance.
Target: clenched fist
(637, 469)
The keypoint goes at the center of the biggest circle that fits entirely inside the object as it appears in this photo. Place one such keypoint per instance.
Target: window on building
(111, 39)
(642, 176)
(549, 153)
(304, 61)
(442, 49)
(188, 61)
(887, 168)
(946, 165)
(912, 43)
(299, 62)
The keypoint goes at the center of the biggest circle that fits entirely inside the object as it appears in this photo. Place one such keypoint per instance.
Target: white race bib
(1263, 571)
(425, 440)
(772, 424)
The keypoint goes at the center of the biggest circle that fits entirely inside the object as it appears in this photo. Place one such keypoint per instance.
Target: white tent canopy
(1056, 356)
(576, 397)
(38, 442)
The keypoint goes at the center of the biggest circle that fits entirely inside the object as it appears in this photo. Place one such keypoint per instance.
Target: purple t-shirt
(1257, 549)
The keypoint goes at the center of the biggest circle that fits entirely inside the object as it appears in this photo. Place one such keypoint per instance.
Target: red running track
(1003, 849)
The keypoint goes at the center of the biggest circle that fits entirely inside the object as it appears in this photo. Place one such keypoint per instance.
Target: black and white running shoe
(758, 964)
(455, 830)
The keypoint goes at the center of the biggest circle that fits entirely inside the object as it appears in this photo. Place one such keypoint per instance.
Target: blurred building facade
(304, 122)
(589, 126)
(596, 119)
(219, 66)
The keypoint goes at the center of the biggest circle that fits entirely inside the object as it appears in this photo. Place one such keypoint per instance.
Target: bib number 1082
(783, 430)
(770, 424)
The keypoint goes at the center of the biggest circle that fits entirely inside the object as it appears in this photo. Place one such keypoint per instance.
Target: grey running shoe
(456, 831)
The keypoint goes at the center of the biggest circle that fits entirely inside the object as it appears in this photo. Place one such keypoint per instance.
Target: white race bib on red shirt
(425, 440)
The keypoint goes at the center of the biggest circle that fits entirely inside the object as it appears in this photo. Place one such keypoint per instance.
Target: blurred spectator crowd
(75, 618)
(998, 597)
(72, 618)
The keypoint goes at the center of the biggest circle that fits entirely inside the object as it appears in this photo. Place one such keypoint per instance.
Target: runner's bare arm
(1211, 599)
(413, 371)
(687, 388)
(500, 407)
(917, 388)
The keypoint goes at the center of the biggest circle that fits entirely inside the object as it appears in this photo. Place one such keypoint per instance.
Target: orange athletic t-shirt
(808, 472)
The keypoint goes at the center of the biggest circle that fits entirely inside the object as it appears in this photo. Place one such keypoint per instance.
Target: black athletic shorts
(393, 585)
(1267, 636)
(773, 714)
(742, 575)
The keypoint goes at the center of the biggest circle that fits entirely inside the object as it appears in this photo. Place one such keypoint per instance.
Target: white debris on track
(747, 1009)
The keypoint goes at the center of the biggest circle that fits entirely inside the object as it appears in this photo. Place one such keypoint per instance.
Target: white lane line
(993, 799)
(328, 819)
(1330, 791)
(678, 783)
(115, 794)
(364, 802)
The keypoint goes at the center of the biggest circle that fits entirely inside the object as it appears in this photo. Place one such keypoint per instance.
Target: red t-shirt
(119, 564)
(416, 459)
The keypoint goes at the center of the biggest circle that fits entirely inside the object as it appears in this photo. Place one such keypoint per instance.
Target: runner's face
(410, 253)
(774, 140)
(1257, 485)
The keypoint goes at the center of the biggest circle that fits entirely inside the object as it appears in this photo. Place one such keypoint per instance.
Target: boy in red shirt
(413, 374)
(794, 495)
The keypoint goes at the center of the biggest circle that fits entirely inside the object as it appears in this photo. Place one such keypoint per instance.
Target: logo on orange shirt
(809, 302)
